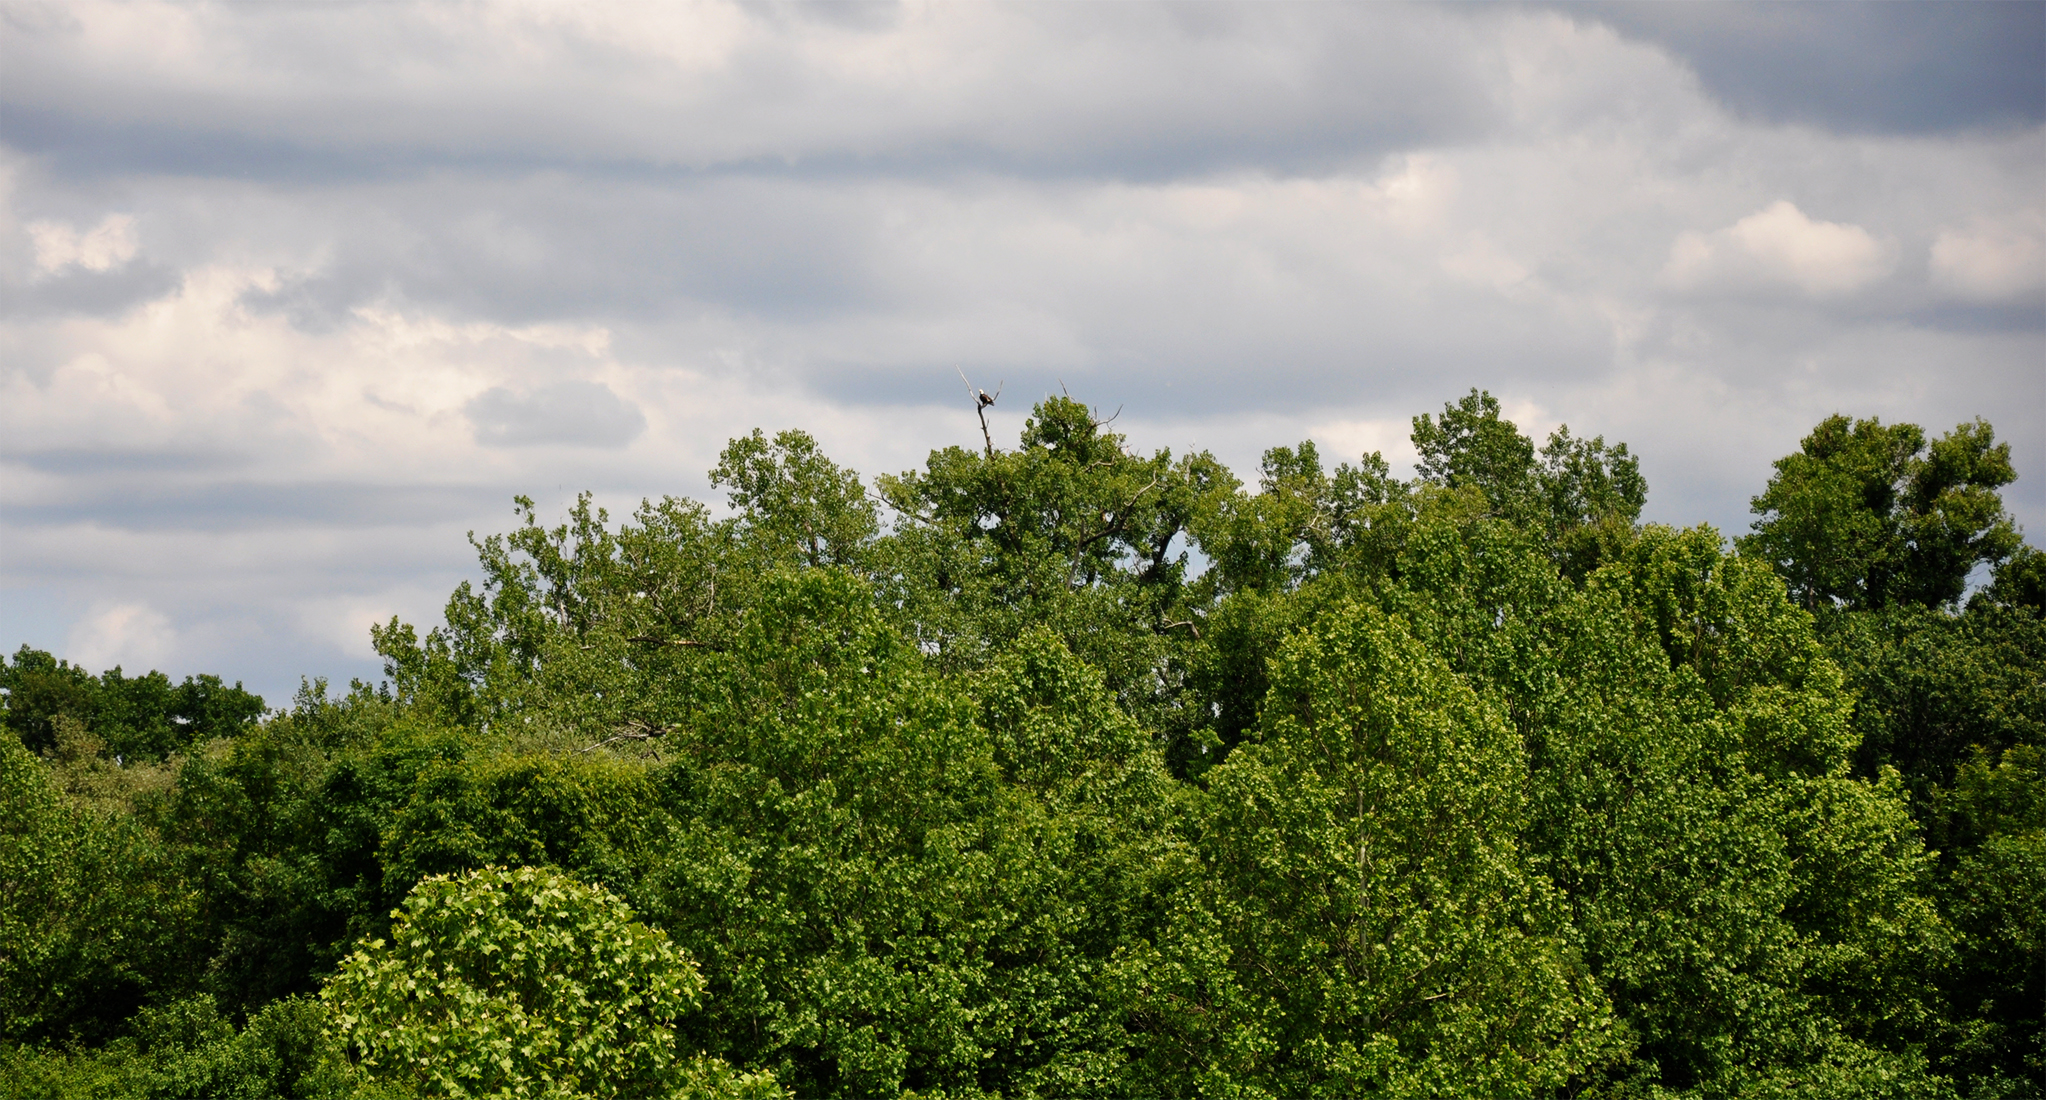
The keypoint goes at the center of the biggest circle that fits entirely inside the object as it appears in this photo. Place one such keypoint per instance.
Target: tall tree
(1866, 515)
(1581, 498)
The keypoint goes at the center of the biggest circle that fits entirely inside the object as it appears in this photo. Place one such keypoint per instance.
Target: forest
(1065, 770)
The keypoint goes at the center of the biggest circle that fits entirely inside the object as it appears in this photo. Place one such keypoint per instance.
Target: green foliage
(1583, 497)
(798, 506)
(578, 626)
(1992, 821)
(1359, 917)
(1991, 796)
(1069, 770)
(589, 814)
(1727, 622)
(1932, 686)
(1758, 917)
(1592, 495)
(875, 908)
(136, 718)
(187, 1051)
(88, 914)
(1473, 446)
(41, 688)
(2019, 582)
(1071, 531)
(253, 829)
(82, 767)
(1302, 523)
(516, 983)
(1867, 515)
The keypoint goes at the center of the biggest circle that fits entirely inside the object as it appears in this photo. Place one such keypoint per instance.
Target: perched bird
(985, 400)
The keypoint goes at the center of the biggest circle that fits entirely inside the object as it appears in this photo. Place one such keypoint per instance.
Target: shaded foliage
(136, 717)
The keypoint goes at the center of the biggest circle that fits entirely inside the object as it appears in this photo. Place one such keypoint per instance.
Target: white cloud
(342, 622)
(1992, 261)
(383, 391)
(1779, 246)
(104, 247)
(1347, 440)
(132, 635)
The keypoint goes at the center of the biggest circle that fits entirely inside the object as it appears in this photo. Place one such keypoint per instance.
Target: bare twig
(1189, 624)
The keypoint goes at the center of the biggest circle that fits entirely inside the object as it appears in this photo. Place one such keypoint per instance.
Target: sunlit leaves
(518, 983)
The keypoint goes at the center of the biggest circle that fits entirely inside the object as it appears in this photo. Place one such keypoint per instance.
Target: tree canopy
(1071, 770)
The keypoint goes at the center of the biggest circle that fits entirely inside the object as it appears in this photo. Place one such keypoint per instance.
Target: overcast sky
(293, 295)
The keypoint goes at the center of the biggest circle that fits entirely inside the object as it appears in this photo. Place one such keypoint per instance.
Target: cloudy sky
(294, 295)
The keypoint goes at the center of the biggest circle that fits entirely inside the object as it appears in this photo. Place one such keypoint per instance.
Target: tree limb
(648, 639)
(1121, 515)
(634, 731)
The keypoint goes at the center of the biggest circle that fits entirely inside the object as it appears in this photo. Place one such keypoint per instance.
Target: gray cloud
(82, 146)
(1119, 92)
(234, 505)
(361, 274)
(1864, 67)
(94, 461)
(577, 414)
(93, 293)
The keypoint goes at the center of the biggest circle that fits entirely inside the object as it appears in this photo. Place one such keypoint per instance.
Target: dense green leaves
(90, 918)
(1069, 770)
(798, 506)
(522, 983)
(1360, 918)
(1582, 496)
(186, 1050)
(1867, 514)
(135, 717)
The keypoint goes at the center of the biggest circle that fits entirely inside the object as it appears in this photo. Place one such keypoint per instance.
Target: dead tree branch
(634, 731)
(981, 403)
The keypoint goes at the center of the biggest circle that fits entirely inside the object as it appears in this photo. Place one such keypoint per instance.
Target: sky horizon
(293, 296)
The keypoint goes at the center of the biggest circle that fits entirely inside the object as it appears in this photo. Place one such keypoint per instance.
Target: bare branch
(981, 401)
(1095, 423)
(634, 731)
(1115, 524)
(648, 639)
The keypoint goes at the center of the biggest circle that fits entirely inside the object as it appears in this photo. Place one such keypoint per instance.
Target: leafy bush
(186, 1051)
(524, 983)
